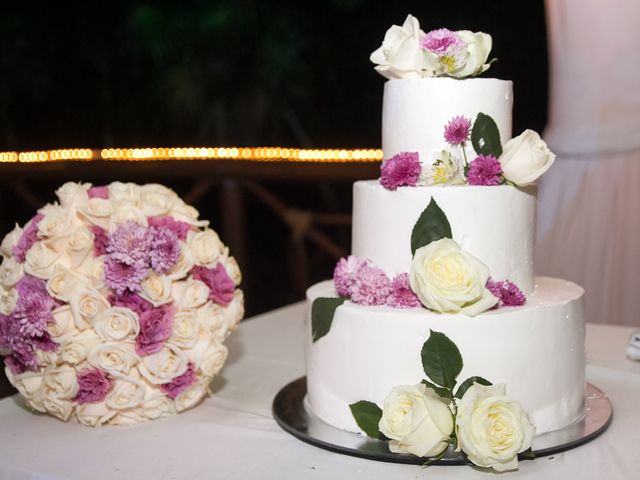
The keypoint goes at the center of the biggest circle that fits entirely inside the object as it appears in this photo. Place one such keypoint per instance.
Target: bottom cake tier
(537, 350)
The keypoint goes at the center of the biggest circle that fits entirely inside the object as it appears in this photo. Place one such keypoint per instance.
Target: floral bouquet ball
(115, 302)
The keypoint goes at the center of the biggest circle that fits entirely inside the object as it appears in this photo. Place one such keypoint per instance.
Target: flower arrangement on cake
(115, 302)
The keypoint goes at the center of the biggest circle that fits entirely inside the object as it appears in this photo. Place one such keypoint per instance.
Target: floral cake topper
(408, 52)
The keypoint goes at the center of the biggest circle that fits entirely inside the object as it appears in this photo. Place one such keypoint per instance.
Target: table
(233, 436)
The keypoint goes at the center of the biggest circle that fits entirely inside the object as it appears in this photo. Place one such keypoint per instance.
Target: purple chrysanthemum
(98, 192)
(401, 169)
(485, 170)
(181, 229)
(456, 132)
(441, 40)
(121, 276)
(371, 286)
(155, 329)
(164, 249)
(179, 384)
(345, 272)
(100, 240)
(401, 295)
(129, 244)
(28, 238)
(507, 293)
(130, 300)
(93, 386)
(221, 287)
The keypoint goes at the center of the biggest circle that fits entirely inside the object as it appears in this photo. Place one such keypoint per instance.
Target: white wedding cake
(444, 242)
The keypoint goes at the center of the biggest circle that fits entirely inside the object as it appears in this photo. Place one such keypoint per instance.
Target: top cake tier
(416, 110)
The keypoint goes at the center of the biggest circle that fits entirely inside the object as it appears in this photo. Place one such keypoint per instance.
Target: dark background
(232, 73)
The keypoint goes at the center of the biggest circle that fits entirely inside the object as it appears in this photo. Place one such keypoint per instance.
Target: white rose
(29, 385)
(492, 428)
(156, 289)
(205, 247)
(416, 420)
(58, 407)
(213, 320)
(79, 246)
(525, 157)
(60, 382)
(156, 405)
(95, 272)
(40, 261)
(164, 366)
(233, 270)
(400, 55)
(11, 272)
(8, 300)
(116, 359)
(94, 414)
(446, 169)
(190, 294)
(478, 47)
(156, 200)
(234, 312)
(187, 214)
(76, 348)
(207, 355)
(55, 223)
(73, 194)
(446, 279)
(9, 241)
(124, 192)
(126, 393)
(186, 328)
(63, 283)
(125, 212)
(116, 324)
(192, 396)
(184, 264)
(97, 211)
(63, 325)
(86, 302)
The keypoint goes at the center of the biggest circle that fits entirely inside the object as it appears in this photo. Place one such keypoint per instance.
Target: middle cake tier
(495, 224)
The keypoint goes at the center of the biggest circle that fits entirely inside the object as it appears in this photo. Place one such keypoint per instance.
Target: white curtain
(589, 202)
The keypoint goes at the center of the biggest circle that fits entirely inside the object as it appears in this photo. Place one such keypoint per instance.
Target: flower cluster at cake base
(115, 302)
(438, 414)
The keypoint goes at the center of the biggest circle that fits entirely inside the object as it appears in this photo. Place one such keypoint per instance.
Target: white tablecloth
(232, 435)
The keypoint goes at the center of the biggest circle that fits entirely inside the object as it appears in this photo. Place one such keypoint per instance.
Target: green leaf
(485, 136)
(322, 312)
(442, 391)
(441, 360)
(432, 225)
(367, 415)
(464, 386)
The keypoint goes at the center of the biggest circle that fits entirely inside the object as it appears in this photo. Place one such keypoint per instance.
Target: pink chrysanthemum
(121, 276)
(485, 170)
(164, 249)
(401, 295)
(28, 238)
(93, 386)
(179, 384)
(401, 169)
(344, 274)
(507, 293)
(371, 286)
(440, 41)
(156, 326)
(129, 243)
(456, 132)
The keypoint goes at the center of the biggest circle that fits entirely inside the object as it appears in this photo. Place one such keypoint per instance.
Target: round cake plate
(291, 413)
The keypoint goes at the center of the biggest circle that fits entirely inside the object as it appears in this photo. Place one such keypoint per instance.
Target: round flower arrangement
(115, 302)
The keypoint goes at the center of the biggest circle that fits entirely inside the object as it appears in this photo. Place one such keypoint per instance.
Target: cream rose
(478, 48)
(205, 247)
(127, 417)
(233, 270)
(95, 272)
(94, 414)
(8, 300)
(55, 223)
(40, 261)
(125, 212)
(97, 211)
(76, 348)
(190, 294)
(156, 200)
(116, 324)
(207, 355)
(29, 384)
(63, 325)
(186, 328)
(10, 240)
(73, 194)
(184, 264)
(116, 359)
(63, 283)
(213, 320)
(60, 382)
(192, 396)
(79, 246)
(86, 303)
(124, 192)
(416, 420)
(525, 157)
(156, 289)
(234, 312)
(11, 272)
(492, 428)
(446, 279)
(58, 407)
(126, 393)
(400, 55)
(164, 366)
(187, 214)
(156, 405)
